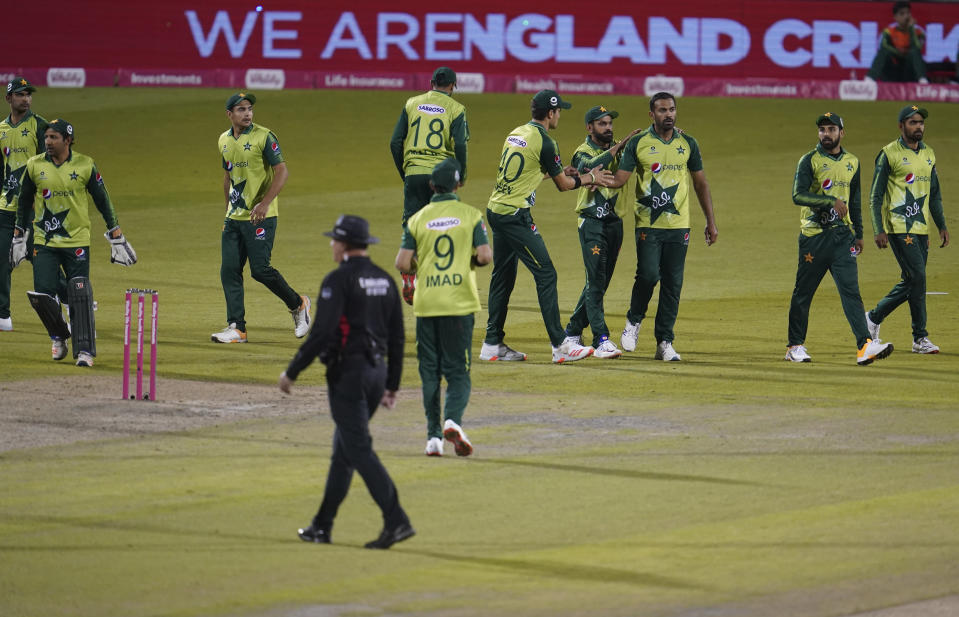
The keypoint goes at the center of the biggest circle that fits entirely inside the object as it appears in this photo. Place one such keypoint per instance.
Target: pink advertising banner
(687, 38)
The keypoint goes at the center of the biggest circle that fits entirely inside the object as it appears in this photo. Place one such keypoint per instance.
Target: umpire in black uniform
(358, 324)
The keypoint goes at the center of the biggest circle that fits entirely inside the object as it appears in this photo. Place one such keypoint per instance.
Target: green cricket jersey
(249, 160)
(905, 190)
(443, 234)
(18, 142)
(820, 179)
(56, 198)
(528, 153)
(601, 203)
(431, 128)
(663, 183)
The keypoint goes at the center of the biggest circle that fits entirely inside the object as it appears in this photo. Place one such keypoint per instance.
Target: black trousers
(355, 390)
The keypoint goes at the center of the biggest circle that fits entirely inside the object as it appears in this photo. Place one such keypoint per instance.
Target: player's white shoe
(455, 435)
(665, 352)
(577, 340)
(434, 447)
(872, 327)
(607, 349)
(229, 334)
(874, 349)
(924, 345)
(58, 348)
(301, 318)
(500, 353)
(797, 353)
(6, 324)
(570, 352)
(84, 359)
(630, 336)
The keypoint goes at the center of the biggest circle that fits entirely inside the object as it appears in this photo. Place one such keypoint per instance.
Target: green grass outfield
(731, 483)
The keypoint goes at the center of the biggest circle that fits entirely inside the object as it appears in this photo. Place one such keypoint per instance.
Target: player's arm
(935, 208)
(396, 337)
(404, 258)
(549, 161)
(855, 209)
(627, 164)
(396, 141)
(803, 180)
(484, 254)
(280, 175)
(98, 191)
(28, 191)
(227, 185)
(880, 178)
(42, 125)
(695, 166)
(460, 132)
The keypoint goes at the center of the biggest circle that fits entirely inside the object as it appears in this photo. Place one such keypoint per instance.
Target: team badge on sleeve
(99, 178)
(276, 147)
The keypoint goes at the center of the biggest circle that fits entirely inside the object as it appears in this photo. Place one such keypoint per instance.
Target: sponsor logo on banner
(351, 80)
(66, 77)
(443, 223)
(265, 79)
(471, 83)
(661, 83)
(855, 90)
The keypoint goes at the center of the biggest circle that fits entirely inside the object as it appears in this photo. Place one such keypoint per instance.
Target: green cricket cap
(546, 100)
(909, 110)
(446, 176)
(239, 96)
(444, 76)
(829, 118)
(20, 84)
(595, 113)
(62, 126)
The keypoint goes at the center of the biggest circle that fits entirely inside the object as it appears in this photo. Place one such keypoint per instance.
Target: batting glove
(120, 250)
(18, 248)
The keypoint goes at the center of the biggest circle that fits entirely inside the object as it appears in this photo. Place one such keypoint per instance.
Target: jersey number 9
(443, 249)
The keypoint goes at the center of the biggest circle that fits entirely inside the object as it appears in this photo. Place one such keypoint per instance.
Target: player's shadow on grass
(558, 570)
(622, 473)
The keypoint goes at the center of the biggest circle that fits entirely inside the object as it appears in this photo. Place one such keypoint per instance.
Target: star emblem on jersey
(681, 150)
(25, 132)
(52, 224)
(74, 175)
(849, 167)
(911, 210)
(808, 257)
(659, 200)
(929, 161)
(247, 146)
(908, 239)
(595, 249)
(236, 197)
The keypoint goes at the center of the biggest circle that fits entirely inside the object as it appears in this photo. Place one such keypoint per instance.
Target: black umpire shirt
(358, 312)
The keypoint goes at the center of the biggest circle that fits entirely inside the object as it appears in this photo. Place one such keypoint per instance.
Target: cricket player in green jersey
(254, 173)
(21, 137)
(529, 153)
(826, 189)
(431, 128)
(53, 198)
(600, 231)
(905, 195)
(450, 239)
(666, 159)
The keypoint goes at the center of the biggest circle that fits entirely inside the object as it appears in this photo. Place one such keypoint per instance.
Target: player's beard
(916, 135)
(604, 139)
(828, 144)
